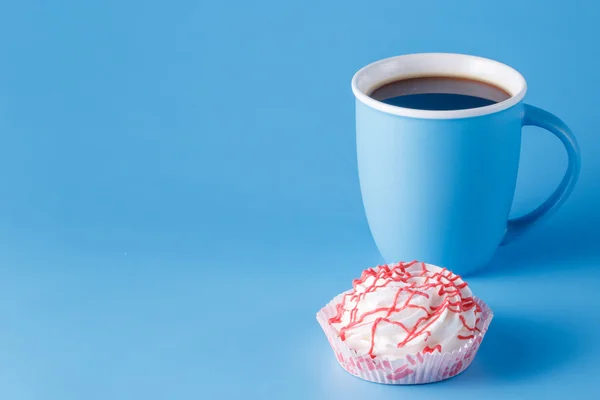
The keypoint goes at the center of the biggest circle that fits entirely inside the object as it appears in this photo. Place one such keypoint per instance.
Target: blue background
(180, 196)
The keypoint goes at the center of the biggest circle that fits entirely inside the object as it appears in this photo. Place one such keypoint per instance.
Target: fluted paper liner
(413, 369)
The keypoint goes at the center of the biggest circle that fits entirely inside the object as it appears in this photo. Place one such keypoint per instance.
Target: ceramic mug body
(438, 186)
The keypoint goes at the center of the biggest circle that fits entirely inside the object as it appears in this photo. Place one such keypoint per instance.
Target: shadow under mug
(438, 186)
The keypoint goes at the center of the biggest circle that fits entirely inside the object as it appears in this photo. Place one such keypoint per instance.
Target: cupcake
(405, 323)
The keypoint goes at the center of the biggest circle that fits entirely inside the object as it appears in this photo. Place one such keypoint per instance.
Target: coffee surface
(439, 93)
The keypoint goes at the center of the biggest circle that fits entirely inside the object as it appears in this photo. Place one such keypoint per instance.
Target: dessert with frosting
(406, 312)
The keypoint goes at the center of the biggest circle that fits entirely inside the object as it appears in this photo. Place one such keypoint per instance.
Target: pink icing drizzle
(445, 280)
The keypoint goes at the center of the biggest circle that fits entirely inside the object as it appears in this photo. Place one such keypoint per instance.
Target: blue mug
(438, 186)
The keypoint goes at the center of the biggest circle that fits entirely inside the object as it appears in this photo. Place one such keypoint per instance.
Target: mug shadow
(553, 246)
(521, 347)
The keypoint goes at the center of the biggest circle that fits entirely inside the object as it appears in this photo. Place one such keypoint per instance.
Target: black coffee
(439, 93)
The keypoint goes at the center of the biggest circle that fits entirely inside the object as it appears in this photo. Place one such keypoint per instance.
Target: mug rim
(417, 65)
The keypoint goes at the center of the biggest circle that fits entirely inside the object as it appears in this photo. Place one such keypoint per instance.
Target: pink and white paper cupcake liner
(413, 369)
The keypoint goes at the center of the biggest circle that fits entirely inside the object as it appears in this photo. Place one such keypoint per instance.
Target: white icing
(391, 340)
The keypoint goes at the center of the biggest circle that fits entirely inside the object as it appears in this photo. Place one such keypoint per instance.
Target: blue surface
(180, 196)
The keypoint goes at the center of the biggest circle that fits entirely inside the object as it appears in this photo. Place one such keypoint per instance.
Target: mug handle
(538, 117)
